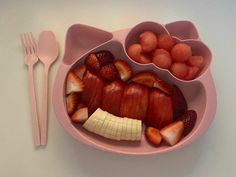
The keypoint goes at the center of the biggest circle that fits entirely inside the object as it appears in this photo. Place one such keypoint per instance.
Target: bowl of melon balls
(142, 91)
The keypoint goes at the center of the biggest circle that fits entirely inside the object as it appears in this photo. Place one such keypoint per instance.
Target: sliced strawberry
(81, 105)
(92, 63)
(124, 70)
(179, 102)
(80, 116)
(163, 86)
(108, 72)
(189, 120)
(80, 71)
(74, 83)
(173, 133)
(71, 102)
(153, 135)
(145, 78)
(104, 57)
(192, 73)
(197, 61)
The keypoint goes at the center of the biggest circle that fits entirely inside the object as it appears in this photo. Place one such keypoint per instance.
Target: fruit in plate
(124, 70)
(80, 115)
(71, 102)
(73, 83)
(92, 94)
(112, 94)
(145, 78)
(79, 71)
(181, 52)
(134, 102)
(162, 58)
(135, 52)
(197, 61)
(105, 57)
(165, 41)
(179, 102)
(163, 86)
(189, 119)
(192, 73)
(153, 136)
(172, 133)
(113, 127)
(179, 69)
(160, 109)
(108, 72)
(144, 59)
(148, 41)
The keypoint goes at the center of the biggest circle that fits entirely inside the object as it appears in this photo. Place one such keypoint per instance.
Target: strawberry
(79, 71)
(145, 78)
(104, 57)
(92, 63)
(179, 102)
(172, 133)
(80, 116)
(163, 86)
(108, 72)
(71, 102)
(189, 119)
(153, 135)
(124, 70)
(74, 83)
(81, 105)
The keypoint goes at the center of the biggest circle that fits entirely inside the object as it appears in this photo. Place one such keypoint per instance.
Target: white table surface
(214, 154)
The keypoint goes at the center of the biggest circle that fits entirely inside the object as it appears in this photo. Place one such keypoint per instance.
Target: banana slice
(124, 125)
(138, 130)
(119, 128)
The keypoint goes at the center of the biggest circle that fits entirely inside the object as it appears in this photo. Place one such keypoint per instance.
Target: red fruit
(145, 78)
(163, 86)
(80, 71)
(196, 61)
(105, 57)
(166, 42)
(92, 63)
(181, 52)
(162, 58)
(81, 105)
(179, 102)
(148, 41)
(144, 59)
(173, 133)
(74, 83)
(192, 73)
(134, 51)
(124, 70)
(189, 119)
(134, 102)
(160, 110)
(108, 72)
(112, 94)
(180, 70)
(80, 116)
(71, 102)
(153, 135)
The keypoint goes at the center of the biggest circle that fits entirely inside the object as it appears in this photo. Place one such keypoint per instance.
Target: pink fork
(30, 59)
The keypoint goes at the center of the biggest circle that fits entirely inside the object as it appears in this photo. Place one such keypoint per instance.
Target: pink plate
(200, 92)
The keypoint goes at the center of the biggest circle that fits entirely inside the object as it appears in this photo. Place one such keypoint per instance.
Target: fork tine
(29, 44)
(33, 42)
(23, 44)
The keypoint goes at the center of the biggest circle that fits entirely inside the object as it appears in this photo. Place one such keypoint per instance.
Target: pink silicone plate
(200, 92)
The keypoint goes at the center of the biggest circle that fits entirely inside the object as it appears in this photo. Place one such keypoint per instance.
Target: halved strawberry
(124, 70)
(92, 63)
(153, 135)
(80, 116)
(80, 71)
(104, 57)
(108, 72)
(71, 102)
(179, 102)
(145, 78)
(74, 83)
(172, 133)
(163, 86)
(189, 119)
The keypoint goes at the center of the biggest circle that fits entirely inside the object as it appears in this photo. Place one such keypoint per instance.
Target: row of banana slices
(113, 127)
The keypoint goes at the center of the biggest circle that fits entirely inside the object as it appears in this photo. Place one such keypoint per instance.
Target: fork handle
(44, 119)
(33, 104)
